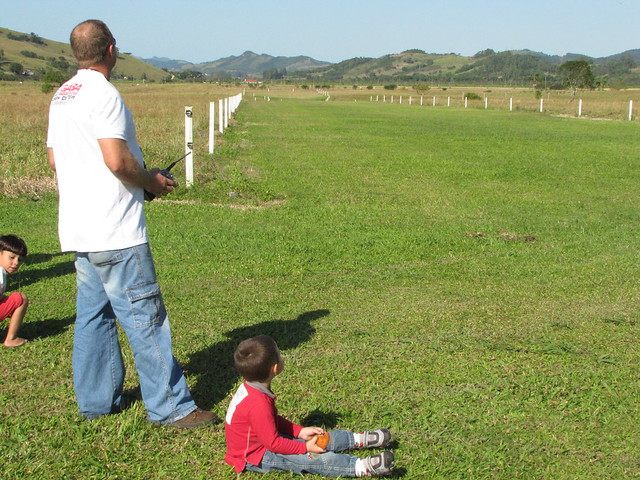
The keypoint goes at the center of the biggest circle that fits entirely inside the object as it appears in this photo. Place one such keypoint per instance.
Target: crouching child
(12, 306)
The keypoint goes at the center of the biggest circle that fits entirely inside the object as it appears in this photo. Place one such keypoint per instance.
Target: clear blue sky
(336, 30)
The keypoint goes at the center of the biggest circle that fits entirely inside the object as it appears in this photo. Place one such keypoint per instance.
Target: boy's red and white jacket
(253, 426)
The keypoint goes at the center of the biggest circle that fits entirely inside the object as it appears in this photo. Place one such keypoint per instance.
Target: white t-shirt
(3, 280)
(98, 212)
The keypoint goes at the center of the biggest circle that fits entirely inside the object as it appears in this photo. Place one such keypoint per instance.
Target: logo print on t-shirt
(66, 92)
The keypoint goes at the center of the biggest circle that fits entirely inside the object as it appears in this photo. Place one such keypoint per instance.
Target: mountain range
(247, 64)
(28, 55)
(415, 66)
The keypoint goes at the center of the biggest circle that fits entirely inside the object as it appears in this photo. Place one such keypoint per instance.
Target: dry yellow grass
(159, 113)
(158, 110)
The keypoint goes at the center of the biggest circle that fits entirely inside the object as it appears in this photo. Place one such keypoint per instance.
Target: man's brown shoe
(197, 418)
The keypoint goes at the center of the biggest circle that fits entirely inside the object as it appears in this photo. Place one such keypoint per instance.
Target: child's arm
(308, 434)
(266, 424)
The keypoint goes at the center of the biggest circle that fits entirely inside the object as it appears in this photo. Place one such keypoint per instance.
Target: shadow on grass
(27, 276)
(214, 368)
(318, 418)
(45, 328)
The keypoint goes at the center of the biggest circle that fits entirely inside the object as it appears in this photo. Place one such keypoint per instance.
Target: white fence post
(511, 104)
(212, 128)
(630, 110)
(448, 101)
(486, 103)
(580, 108)
(220, 119)
(188, 143)
(466, 101)
(433, 103)
(541, 105)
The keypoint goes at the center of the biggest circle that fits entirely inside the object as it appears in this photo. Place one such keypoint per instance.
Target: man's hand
(159, 185)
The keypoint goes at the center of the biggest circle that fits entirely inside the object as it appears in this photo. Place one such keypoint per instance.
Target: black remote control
(150, 196)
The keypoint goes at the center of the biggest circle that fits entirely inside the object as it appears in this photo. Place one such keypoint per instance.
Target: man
(92, 147)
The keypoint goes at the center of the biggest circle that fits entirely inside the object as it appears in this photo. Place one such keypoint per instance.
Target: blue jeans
(329, 464)
(122, 284)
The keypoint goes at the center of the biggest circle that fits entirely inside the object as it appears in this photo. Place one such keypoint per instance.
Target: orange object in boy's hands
(323, 440)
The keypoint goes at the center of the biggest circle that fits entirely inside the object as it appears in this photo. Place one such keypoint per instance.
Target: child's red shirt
(253, 426)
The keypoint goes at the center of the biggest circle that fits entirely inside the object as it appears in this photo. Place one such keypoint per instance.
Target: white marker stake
(212, 128)
(630, 110)
(188, 143)
(220, 120)
(580, 108)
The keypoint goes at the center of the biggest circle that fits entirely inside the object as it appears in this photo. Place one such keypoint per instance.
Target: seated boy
(260, 440)
(13, 306)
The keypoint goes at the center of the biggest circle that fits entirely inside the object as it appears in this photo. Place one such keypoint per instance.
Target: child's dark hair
(14, 244)
(255, 357)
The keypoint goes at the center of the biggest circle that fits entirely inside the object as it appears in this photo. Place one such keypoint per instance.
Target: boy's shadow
(214, 367)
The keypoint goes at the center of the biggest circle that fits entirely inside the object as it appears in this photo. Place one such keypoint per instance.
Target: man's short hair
(14, 244)
(90, 42)
(255, 357)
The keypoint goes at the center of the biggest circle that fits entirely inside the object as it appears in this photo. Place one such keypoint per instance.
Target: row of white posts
(486, 103)
(226, 108)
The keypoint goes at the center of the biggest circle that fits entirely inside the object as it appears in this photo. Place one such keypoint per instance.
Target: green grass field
(466, 278)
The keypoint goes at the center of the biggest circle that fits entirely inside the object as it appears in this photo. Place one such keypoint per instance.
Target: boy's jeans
(328, 464)
(123, 284)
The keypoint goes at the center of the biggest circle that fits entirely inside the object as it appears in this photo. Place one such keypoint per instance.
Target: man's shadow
(28, 275)
(32, 330)
(214, 369)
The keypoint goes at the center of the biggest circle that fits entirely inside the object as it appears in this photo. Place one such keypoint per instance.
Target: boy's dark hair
(14, 244)
(255, 357)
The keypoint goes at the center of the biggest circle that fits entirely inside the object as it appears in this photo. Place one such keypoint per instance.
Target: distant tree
(601, 83)
(30, 54)
(576, 74)
(484, 53)
(190, 75)
(421, 88)
(52, 79)
(60, 63)
(16, 68)
(274, 74)
(33, 38)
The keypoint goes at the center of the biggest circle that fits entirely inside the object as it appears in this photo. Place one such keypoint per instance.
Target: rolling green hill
(28, 56)
(516, 68)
